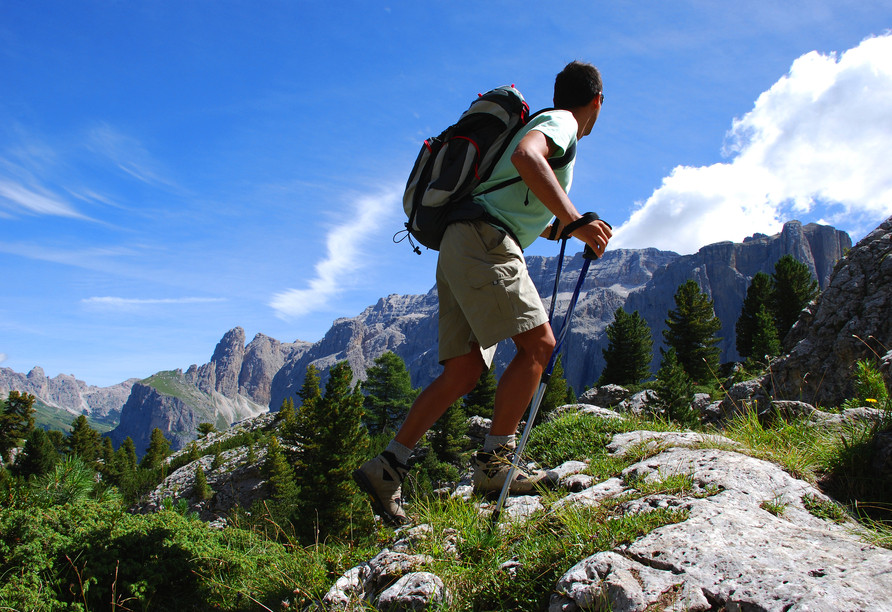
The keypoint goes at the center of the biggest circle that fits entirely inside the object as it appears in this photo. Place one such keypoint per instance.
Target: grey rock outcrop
(730, 552)
(369, 581)
(415, 591)
(606, 396)
(68, 393)
(850, 320)
(746, 536)
(235, 482)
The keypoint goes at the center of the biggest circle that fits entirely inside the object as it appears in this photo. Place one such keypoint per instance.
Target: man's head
(576, 85)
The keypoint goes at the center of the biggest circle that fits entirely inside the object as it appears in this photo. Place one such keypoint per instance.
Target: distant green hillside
(49, 417)
(174, 384)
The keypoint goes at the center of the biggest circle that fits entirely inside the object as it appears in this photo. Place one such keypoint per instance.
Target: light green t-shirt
(515, 205)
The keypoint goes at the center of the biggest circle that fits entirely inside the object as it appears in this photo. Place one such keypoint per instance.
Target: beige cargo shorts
(486, 294)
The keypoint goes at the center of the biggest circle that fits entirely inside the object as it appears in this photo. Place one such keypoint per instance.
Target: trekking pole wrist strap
(585, 219)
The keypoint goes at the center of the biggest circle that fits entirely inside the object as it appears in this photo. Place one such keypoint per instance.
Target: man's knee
(538, 343)
(464, 372)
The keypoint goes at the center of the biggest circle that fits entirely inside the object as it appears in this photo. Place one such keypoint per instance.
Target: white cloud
(3, 357)
(813, 147)
(34, 201)
(125, 304)
(127, 153)
(344, 246)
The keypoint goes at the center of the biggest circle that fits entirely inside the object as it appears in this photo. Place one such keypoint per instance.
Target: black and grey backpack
(450, 166)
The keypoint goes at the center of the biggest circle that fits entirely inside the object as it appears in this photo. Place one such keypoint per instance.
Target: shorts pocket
(495, 282)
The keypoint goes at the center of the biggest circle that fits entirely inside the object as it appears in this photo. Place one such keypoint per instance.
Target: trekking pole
(588, 255)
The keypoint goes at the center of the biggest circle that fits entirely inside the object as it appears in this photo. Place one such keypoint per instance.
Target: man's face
(594, 110)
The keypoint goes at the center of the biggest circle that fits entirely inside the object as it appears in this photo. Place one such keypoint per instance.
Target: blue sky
(170, 170)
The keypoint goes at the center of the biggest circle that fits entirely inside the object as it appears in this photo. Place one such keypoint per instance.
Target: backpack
(450, 166)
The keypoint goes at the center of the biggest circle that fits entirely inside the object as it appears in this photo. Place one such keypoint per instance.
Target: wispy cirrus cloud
(814, 144)
(128, 154)
(344, 257)
(35, 200)
(129, 304)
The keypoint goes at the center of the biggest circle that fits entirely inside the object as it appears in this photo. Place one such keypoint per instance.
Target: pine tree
(765, 340)
(16, 422)
(675, 388)
(759, 294)
(59, 441)
(793, 287)
(158, 450)
(389, 393)
(629, 352)
(38, 455)
(193, 453)
(286, 410)
(200, 488)
(330, 441)
(84, 441)
(310, 390)
(217, 462)
(109, 468)
(571, 396)
(481, 400)
(279, 473)
(126, 455)
(205, 429)
(449, 434)
(692, 329)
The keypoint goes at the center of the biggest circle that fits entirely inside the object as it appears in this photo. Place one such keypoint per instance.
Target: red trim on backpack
(428, 145)
(477, 176)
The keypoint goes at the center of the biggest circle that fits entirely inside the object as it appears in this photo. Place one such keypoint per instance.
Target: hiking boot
(491, 470)
(380, 478)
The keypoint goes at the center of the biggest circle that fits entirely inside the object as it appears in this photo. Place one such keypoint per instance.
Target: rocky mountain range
(234, 385)
(68, 393)
(641, 279)
(243, 380)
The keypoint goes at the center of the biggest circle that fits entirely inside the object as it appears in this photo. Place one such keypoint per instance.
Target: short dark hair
(576, 85)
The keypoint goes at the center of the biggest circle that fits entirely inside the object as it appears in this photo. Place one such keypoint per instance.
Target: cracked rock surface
(731, 553)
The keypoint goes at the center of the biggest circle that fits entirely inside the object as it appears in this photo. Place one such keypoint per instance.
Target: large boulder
(851, 320)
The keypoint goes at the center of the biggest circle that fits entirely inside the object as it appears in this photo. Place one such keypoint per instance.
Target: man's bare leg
(459, 377)
(521, 378)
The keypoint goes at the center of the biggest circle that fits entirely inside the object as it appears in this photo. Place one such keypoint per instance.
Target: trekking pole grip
(585, 219)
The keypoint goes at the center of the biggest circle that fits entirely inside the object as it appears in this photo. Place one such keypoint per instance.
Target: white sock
(402, 453)
(492, 443)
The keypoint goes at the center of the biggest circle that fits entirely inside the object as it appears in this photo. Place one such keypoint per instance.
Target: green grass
(85, 554)
(544, 547)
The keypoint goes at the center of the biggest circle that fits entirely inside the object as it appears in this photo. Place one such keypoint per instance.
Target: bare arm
(531, 160)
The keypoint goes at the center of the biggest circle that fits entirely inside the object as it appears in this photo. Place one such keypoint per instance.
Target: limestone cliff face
(234, 385)
(850, 320)
(147, 408)
(173, 404)
(725, 269)
(68, 393)
(236, 370)
(405, 325)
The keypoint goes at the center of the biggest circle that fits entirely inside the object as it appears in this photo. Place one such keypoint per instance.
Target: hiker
(486, 294)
